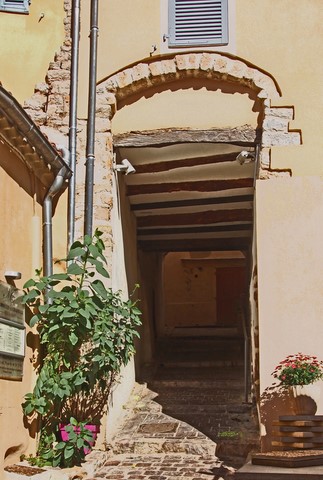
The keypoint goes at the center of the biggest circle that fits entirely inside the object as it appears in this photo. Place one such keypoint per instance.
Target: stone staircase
(152, 445)
(201, 382)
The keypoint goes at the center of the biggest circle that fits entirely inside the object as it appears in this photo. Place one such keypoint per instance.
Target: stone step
(152, 445)
(221, 362)
(160, 466)
(261, 472)
(234, 408)
(195, 372)
(173, 398)
(189, 383)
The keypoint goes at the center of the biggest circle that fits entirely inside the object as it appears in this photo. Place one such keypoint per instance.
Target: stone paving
(173, 422)
(150, 445)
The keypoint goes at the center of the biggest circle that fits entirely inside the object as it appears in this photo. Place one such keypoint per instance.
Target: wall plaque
(12, 333)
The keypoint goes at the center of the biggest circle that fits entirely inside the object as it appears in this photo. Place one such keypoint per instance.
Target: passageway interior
(193, 206)
(199, 380)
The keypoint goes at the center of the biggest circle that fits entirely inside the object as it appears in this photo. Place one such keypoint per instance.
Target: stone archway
(144, 76)
(157, 74)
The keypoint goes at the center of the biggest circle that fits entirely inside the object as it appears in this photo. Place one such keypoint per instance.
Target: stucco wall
(20, 226)
(290, 261)
(21, 250)
(288, 45)
(188, 107)
(28, 44)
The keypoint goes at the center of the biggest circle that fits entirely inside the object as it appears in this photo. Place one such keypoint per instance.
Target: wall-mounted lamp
(11, 275)
(245, 157)
(124, 167)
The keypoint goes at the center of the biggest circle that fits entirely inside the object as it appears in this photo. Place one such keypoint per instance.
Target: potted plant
(86, 332)
(296, 372)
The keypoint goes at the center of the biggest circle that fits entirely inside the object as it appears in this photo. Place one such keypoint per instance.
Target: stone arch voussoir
(144, 75)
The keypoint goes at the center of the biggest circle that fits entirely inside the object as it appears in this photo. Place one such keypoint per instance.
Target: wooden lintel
(190, 245)
(196, 218)
(244, 135)
(191, 202)
(198, 186)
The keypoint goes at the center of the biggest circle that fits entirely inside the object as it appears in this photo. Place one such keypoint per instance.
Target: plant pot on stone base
(301, 375)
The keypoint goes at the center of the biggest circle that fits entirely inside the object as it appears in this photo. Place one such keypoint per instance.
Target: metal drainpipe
(48, 214)
(75, 34)
(90, 157)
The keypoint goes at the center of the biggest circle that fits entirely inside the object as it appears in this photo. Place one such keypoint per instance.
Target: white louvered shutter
(16, 6)
(198, 22)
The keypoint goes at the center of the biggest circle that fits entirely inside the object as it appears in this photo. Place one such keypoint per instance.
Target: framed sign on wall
(12, 333)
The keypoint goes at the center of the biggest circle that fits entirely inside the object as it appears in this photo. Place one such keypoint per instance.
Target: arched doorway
(191, 199)
(189, 193)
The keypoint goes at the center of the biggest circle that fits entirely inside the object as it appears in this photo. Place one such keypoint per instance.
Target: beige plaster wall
(289, 216)
(20, 220)
(288, 46)
(20, 227)
(124, 276)
(193, 108)
(28, 44)
(189, 292)
(21, 250)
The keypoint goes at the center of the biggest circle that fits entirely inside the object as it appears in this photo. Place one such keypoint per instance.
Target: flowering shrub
(299, 369)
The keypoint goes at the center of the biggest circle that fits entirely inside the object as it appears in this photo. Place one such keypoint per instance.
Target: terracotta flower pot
(94, 429)
(306, 398)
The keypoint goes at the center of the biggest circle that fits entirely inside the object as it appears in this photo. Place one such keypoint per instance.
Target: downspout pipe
(75, 35)
(90, 157)
(48, 213)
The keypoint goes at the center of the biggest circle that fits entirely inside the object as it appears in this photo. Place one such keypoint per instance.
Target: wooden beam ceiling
(189, 186)
(197, 218)
(247, 227)
(200, 244)
(185, 163)
(191, 202)
(167, 210)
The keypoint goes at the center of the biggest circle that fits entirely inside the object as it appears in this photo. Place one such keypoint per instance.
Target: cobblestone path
(151, 445)
(191, 401)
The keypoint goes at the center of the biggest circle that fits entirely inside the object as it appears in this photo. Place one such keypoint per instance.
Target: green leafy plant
(299, 369)
(86, 331)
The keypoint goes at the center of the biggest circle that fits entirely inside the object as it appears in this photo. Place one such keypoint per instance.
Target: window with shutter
(197, 22)
(15, 6)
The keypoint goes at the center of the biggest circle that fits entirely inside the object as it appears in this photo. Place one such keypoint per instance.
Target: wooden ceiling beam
(196, 218)
(191, 202)
(185, 163)
(197, 186)
(203, 229)
(244, 135)
(190, 245)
